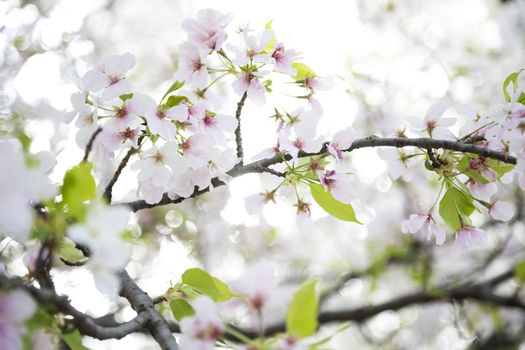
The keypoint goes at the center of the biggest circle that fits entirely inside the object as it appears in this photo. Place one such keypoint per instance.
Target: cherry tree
(463, 174)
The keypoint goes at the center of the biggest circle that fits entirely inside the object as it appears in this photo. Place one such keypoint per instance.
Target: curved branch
(109, 188)
(89, 145)
(142, 304)
(85, 324)
(261, 166)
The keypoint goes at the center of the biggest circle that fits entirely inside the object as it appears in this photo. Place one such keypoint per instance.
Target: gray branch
(367, 142)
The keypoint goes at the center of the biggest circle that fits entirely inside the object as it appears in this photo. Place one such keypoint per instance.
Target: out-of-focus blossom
(482, 191)
(502, 211)
(208, 29)
(110, 75)
(399, 163)
(257, 283)
(469, 238)
(15, 309)
(86, 118)
(20, 184)
(415, 223)
(201, 331)
(102, 234)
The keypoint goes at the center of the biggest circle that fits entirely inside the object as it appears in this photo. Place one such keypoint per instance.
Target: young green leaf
(79, 186)
(74, 340)
(204, 283)
(69, 252)
(499, 167)
(512, 78)
(454, 207)
(174, 87)
(301, 320)
(331, 205)
(175, 100)
(125, 97)
(180, 308)
(302, 71)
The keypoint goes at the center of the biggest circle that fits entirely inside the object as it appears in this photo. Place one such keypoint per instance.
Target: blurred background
(388, 60)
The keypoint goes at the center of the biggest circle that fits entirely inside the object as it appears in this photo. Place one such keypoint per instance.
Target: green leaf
(454, 207)
(301, 319)
(519, 271)
(204, 283)
(268, 24)
(331, 205)
(74, 340)
(512, 78)
(79, 186)
(69, 252)
(302, 71)
(174, 87)
(126, 97)
(175, 100)
(499, 167)
(180, 308)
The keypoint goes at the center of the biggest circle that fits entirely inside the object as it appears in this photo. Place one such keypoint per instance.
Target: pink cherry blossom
(304, 137)
(112, 139)
(208, 29)
(433, 124)
(399, 163)
(86, 118)
(340, 185)
(255, 202)
(502, 211)
(415, 223)
(213, 125)
(482, 191)
(160, 120)
(110, 76)
(193, 65)
(202, 330)
(250, 84)
(469, 238)
(257, 283)
(253, 47)
(15, 309)
(283, 59)
(340, 142)
(127, 115)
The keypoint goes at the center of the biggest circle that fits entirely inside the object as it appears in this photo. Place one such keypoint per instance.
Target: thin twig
(89, 145)
(238, 136)
(109, 188)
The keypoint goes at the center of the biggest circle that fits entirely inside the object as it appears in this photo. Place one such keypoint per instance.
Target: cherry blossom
(433, 124)
(482, 191)
(253, 47)
(469, 237)
(160, 119)
(127, 115)
(202, 330)
(102, 234)
(399, 163)
(86, 118)
(339, 184)
(502, 211)
(416, 221)
(257, 283)
(110, 76)
(283, 59)
(214, 125)
(193, 65)
(304, 135)
(20, 185)
(208, 29)
(250, 84)
(15, 309)
(340, 142)
(255, 202)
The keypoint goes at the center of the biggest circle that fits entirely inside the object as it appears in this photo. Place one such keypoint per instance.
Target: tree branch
(85, 324)
(238, 136)
(89, 145)
(109, 188)
(143, 304)
(367, 142)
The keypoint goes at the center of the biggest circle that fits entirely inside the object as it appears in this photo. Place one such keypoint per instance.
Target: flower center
(113, 79)
(121, 112)
(161, 114)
